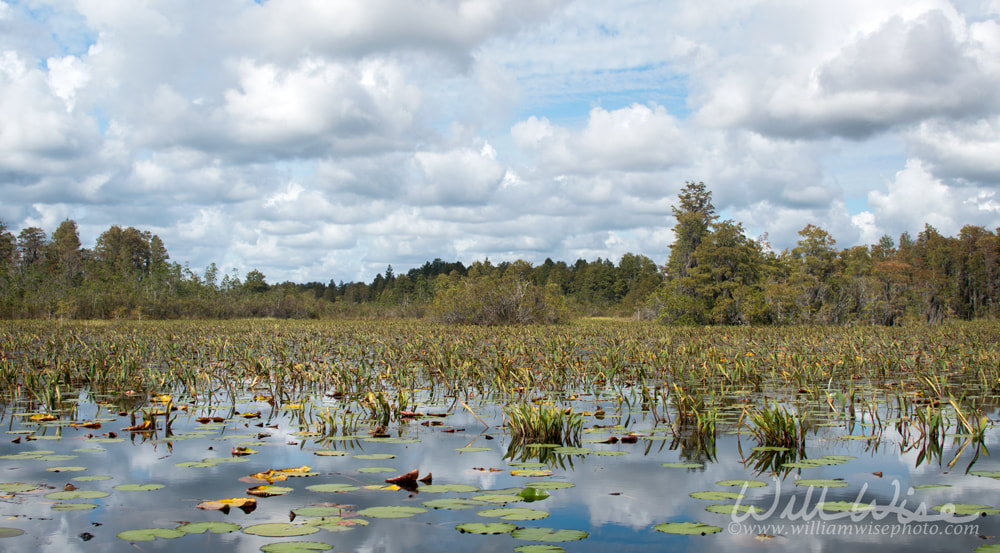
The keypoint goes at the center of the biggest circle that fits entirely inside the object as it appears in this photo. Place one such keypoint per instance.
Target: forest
(714, 274)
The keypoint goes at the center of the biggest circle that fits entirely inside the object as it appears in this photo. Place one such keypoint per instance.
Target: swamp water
(595, 497)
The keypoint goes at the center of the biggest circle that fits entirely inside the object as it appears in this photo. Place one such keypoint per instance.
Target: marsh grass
(543, 424)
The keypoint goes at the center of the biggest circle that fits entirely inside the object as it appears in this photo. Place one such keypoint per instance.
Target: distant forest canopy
(715, 274)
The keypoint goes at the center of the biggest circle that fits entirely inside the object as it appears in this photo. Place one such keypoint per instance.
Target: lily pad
(539, 548)
(375, 456)
(92, 478)
(280, 530)
(930, 486)
(531, 473)
(966, 509)
(336, 488)
(497, 498)
(331, 453)
(338, 524)
(212, 527)
(266, 490)
(73, 506)
(295, 547)
(453, 504)
(687, 528)
(514, 513)
(392, 511)
(844, 506)
(716, 496)
(473, 449)
(10, 532)
(18, 487)
(66, 469)
(150, 534)
(138, 487)
(372, 470)
(741, 483)
(821, 483)
(549, 485)
(567, 450)
(548, 534)
(601, 454)
(533, 494)
(680, 465)
(995, 474)
(76, 494)
(733, 509)
(490, 528)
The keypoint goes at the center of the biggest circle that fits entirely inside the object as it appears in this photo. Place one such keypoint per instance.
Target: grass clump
(543, 424)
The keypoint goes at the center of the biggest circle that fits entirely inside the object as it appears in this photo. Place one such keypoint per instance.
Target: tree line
(715, 274)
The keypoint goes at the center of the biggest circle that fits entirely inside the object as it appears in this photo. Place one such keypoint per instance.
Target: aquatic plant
(543, 424)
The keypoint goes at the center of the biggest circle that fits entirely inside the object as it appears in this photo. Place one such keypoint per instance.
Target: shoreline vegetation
(715, 275)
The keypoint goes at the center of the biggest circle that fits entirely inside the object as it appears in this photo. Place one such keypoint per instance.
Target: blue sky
(319, 140)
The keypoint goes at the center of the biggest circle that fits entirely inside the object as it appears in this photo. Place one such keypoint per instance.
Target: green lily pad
(821, 483)
(844, 506)
(539, 548)
(212, 527)
(567, 450)
(497, 498)
(490, 528)
(741, 483)
(529, 465)
(531, 473)
(392, 511)
(991, 548)
(601, 454)
(266, 490)
(90, 450)
(930, 486)
(93, 478)
(775, 448)
(76, 494)
(687, 528)
(514, 513)
(549, 485)
(371, 456)
(295, 547)
(138, 487)
(18, 487)
(66, 469)
(150, 534)
(10, 532)
(680, 465)
(442, 488)
(194, 464)
(331, 453)
(453, 504)
(548, 534)
(995, 474)
(473, 449)
(716, 496)
(533, 494)
(338, 524)
(733, 509)
(313, 511)
(73, 506)
(375, 469)
(966, 509)
(336, 488)
(57, 457)
(279, 530)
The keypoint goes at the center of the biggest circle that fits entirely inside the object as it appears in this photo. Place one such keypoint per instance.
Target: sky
(318, 140)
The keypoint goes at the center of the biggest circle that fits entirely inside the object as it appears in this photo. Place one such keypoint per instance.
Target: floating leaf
(453, 504)
(10, 532)
(337, 488)
(821, 483)
(392, 511)
(245, 504)
(687, 528)
(149, 534)
(73, 506)
(531, 473)
(375, 456)
(602, 454)
(490, 528)
(279, 530)
(548, 534)
(17, 487)
(567, 450)
(138, 487)
(266, 490)
(966, 509)
(76, 494)
(931, 486)
(373, 470)
(331, 453)
(295, 547)
(338, 524)
(716, 496)
(533, 494)
(680, 465)
(514, 513)
(94, 478)
(497, 499)
(995, 474)
(66, 469)
(539, 548)
(473, 449)
(844, 506)
(212, 527)
(741, 483)
(549, 485)
(733, 509)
